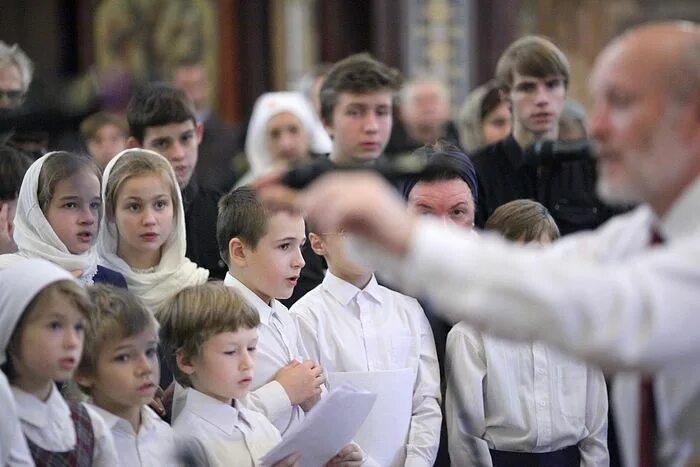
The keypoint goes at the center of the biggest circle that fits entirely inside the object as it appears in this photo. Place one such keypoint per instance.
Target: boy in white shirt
(263, 252)
(209, 338)
(522, 403)
(373, 337)
(119, 370)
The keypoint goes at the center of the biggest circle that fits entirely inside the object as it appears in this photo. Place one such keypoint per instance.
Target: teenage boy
(375, 338)
(534, 75)
(357, 99)
(161, 118)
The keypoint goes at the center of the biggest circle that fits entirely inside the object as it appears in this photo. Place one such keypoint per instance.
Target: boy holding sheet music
(379, 340)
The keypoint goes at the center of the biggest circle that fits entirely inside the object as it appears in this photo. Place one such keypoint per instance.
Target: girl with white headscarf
(58, 217)
(283, 130)
(43, 312)
(143, 229)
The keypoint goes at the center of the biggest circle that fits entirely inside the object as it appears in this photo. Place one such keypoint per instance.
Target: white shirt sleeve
(647, 304)
(426, 419)
(465, 369)
(13, 446)
(269, 399)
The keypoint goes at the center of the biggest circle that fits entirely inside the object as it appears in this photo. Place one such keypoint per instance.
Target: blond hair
(137, 163)
(523, 220)
(117, 314)
(195, 315)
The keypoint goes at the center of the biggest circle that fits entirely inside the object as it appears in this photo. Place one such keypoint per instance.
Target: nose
(148, 217)
(176, 153)
(598, 124)
(298, 260)
(72, 338)
(541, 95)
(87, 217)
(246, 362)
(145, 365)
(370, 123)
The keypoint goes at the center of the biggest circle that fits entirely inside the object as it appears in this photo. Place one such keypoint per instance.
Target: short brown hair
(195, 315)
(523, 220)
(93, 123)
(59, 166)
(243, 216)
(356, 74)
(136, 163)
(117, 314)
(72, 292)
(531, 56)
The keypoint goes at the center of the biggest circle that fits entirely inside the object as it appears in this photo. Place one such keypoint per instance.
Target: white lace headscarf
(34, 236)
(174, 272)
(19, 284)
(267, 106)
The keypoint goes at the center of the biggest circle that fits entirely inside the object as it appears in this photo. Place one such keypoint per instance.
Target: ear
(237, 252)
(198, 132)
(317, 244)
(184, 364)
(84, 380)
(132, 143)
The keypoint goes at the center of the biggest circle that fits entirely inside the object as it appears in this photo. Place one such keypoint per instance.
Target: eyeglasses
(13, 97)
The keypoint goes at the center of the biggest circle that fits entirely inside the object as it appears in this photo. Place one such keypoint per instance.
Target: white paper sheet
(327, 428)
(384, 434)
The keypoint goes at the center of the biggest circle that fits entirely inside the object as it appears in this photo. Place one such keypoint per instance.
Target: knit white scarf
(174, 272)
(34, 236)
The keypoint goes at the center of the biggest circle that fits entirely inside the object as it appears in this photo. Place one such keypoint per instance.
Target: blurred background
(83, 47)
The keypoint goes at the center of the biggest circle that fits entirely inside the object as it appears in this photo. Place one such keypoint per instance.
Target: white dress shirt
(230, 435)
(376, 329)
(278, 345)
(522, 397)
(154, 444)
(606, 296)
(13, 446)
(48, 424)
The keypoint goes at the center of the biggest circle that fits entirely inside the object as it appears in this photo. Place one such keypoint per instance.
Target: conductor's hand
(301, 381)
(358, 202)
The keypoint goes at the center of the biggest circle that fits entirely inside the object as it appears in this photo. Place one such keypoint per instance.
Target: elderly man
(614, 296)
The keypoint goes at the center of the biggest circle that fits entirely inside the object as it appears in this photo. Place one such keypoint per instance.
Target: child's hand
(162, 399)
(291, 460)
(309, 403)
(350, 456)
(301, 381)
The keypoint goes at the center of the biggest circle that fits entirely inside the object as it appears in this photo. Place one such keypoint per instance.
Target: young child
(373, 337)
(209, 336)
(13, 165)
(104, 135)
(522, 403)
(58, 217)
(43, 314)
(143, 232)
(119, 370)
(262, 249)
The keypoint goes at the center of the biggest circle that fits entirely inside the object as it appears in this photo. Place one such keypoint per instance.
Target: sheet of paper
(384, 433)
(327, 428)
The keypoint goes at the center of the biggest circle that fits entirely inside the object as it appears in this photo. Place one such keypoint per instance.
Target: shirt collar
(343, 291)
(223, 416)
(38, 413)
(682, 218)
(263, 309)
(148, 422)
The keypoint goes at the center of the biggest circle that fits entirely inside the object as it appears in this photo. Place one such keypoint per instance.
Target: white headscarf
(173, 273)
(34, 236)
(19, 284)
(267, 106)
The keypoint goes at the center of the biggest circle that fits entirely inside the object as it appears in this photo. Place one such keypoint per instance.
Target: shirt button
(542, 403)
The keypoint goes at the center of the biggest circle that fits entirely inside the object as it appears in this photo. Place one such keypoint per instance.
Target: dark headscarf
(444, 162)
